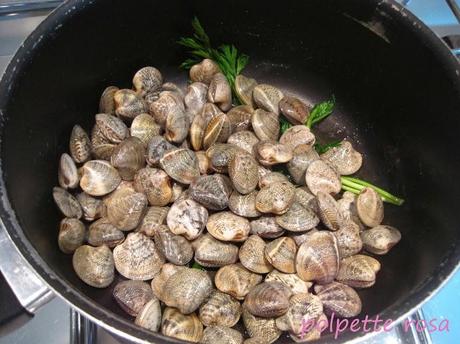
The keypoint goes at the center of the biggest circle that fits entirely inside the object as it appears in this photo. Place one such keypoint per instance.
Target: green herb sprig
(355, 185)
(320, 111)
(321, 149)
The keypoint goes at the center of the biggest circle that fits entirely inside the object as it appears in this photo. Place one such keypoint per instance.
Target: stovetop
(57, 323)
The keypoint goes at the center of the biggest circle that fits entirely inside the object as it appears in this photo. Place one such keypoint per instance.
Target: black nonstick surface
(398, 100)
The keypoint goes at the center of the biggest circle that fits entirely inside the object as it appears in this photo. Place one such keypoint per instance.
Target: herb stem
(355, 185)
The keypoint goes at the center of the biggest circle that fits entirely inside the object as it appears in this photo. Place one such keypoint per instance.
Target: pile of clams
(169, 178)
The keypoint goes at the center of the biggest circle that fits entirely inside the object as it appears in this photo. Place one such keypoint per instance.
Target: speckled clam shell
(149, 316)
(318, 258)
(220, 155)
(144, 128)
(272, 177)
(298, 218)
(204, 163)
(188, 218)
(243, 172)
(155, 184)
(103, 151)
(219, 92)
(370, 207)
(106, 102)
(221, 335)
(240, 117)
(244, 139)
(217, 131)
(92, 207)
(306, 199)
(195, 99)
(339, 299)
(156, 148)
(211, 191)
(263, 171)
(159, 280)
(79, 145)
(265, 124)
(275, 198)
(220, 310)
(111, 127)
(177, 126)
(128, 157)
(99, 178)
(321, 177)
(204, 71)
(181, 164)
(244, 87)
(303, 156)
(267, 97)
(132, 296)
(266, 227)
(268, 300)
(281, 254)
(180, 326)
(328, 211)
(303, 308)
(343, 158)
(236, 280)
(296, 136)
(292, 281)
(128, 104)
(137, 258)
(252, 256)
(67, 203)
(244, 205)
(227, 226)
(187, 289)
(295, 110)
(147, 80)
(301, 237)
(94, 265)
(210, 252)
(102, 232)
(348, 239)
(358, 271)
(262, 330)
(166, 103)
(175, 248)
(71, 234)
(271, 153)
(380, 239)
(152, 220)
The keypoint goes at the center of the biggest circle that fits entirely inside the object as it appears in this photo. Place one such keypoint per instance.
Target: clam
(243, 171)
(210, 252)
(187, 289)
(296, 136)
(176, 126)
(204, 71)
(236, 280)
(128, 157)
(281, 254)
(312, 330)
(79, 145)
(221, 335)
(137, 258)
(267, 97)
(144, 128)
(168, 102)
(244, 139)
(71, 234)
(272, 177)
(203, 162)
(175, 248)
(380, 239)
(149, 316)
(295, 110)
(252, 255)
(173, 88)
(328, 211)
(268, 300)
(111, 127)
(107, 103)
(67, 172)
(147, 80)
(302, 157)
(266, 227)
(220, 155)
(99, 178)
(301, 237)
(177, 190)
(166, 271)
(187, 217)
(155, 184)
(153, 219)
(339, 299)
(226, 226)
(358, 271)
(102, 232)
(183, 327)
(92, 207)
(306, 199)
(318, 258)
(263, 171)
(298, 219)
(303, 308)
(67, 203)
(292, 281)
(265, 125)
(220, 310)
(103, 151)
(244, 87)
(211, 191)
(348, 240)
(321, 177)
(156, 148)
(218, 130)
(240, 117)
(200, 123)
(181, 164)
(195, 99)
(271, 153)
(94, 265)
(275, 198)
(262, 330)
(219, 92)
(243, 205)
(347, 206)
(370, 207)
(132, 296)
(128, 104)
(343, 158)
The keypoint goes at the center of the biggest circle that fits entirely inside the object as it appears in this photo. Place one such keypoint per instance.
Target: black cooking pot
(398, 100)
